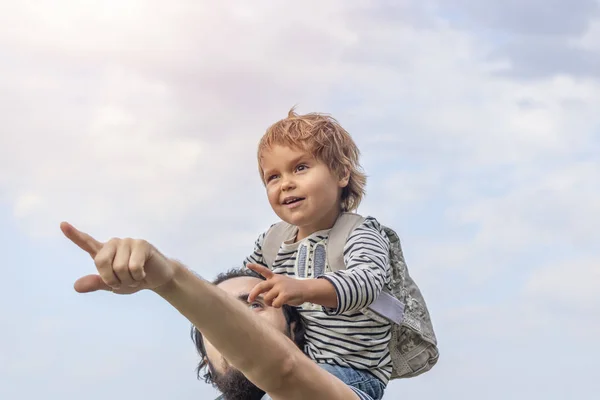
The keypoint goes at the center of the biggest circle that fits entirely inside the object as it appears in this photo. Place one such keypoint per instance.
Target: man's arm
(265, 356)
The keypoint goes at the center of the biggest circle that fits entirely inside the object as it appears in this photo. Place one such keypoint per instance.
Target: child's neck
(324, 223)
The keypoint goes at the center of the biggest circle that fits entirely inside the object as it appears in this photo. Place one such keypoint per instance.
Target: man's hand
(125, 266)
(279, 289)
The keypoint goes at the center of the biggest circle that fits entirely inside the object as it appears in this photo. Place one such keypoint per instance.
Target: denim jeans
(361, 380)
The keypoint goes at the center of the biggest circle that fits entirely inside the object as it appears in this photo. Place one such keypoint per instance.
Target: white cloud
(572, 284)
(141, 119)
(117, 134)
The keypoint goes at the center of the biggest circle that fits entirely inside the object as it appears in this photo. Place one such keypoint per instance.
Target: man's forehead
(241, 284)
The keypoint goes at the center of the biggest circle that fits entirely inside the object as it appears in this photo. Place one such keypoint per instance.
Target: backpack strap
(277, 234)
(386, 304)
(343, 227)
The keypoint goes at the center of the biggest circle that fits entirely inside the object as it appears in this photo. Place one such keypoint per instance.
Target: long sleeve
(366, 256)
(256, 257)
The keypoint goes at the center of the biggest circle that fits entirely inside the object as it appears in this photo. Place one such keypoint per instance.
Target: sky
(479, 130)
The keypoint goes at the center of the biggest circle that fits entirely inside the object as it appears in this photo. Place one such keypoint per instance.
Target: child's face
(302, 190)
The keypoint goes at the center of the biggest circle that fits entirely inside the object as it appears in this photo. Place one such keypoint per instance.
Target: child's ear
(344, 177)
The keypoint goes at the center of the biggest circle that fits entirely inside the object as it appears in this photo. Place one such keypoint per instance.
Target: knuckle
(138, 275)
(101, 260)
(136, 268)
(110, 280)
(140, 242)
(120, 266)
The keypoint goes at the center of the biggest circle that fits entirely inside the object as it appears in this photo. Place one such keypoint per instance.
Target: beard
(234, 385)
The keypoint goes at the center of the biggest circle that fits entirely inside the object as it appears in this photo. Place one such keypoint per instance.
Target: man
(213, 368)
(236, 337)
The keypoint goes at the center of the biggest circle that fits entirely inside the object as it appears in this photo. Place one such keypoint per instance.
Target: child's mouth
(292, 201)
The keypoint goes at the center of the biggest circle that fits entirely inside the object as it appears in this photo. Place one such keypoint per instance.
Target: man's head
(213, 367)
(324, 139)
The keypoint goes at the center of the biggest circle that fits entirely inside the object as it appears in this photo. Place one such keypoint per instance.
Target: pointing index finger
(81, 239)
(258, 289)
(264, 271)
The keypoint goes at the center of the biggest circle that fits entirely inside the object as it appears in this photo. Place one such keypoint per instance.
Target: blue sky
(479, 131)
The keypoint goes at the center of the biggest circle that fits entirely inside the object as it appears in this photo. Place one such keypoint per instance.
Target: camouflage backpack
(413, 345)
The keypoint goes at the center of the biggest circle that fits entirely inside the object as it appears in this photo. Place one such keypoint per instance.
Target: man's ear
(297, 334)
(292, 329)
(208, 367)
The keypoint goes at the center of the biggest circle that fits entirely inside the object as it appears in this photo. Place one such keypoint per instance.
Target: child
(309, 165)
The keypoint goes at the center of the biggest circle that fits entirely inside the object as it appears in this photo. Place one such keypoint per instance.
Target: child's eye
(271, 177)
(301, 167)
(255, 306)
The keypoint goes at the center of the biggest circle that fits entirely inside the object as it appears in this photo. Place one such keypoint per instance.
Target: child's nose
(287, 183)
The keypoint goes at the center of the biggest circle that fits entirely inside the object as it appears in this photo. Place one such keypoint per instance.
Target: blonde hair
(323, 137)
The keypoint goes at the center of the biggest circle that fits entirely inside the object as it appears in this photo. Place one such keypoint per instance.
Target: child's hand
(279, 289)
(124, 266)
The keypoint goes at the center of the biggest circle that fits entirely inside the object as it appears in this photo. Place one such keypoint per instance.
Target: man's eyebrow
(243, 297)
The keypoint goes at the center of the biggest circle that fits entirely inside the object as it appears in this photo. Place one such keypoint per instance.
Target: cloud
(572, 285)
(534, 17)
(537, 39)
(545, 57)
(123, 117)
(477, 123)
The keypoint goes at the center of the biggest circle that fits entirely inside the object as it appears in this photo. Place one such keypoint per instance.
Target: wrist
(172, 285)
(308, 290)
(321, 292)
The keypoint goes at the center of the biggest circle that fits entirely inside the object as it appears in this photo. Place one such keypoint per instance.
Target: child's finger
(260, 288)
(270, 296)
(278, 301)
(260, 269)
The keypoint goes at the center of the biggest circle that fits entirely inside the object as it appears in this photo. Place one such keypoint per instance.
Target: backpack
(413, 345)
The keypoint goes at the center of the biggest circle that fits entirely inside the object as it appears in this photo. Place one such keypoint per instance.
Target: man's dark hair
(290, 313)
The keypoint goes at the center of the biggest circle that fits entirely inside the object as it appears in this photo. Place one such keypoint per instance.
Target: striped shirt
(342, 336)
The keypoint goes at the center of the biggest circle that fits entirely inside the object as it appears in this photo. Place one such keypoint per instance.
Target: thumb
(90, 283)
